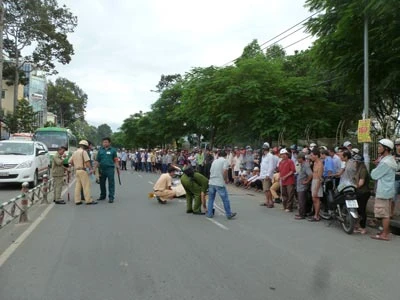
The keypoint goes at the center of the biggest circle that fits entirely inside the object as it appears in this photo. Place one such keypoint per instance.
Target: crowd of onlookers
(291, 175)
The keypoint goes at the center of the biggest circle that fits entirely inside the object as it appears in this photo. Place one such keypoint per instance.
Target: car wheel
(35, 181)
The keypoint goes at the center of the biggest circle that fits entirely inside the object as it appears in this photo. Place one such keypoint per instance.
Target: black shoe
(213, 211)
(198, 213)
(232, 216)
(160, 201)
(100, 199)
(92, 203)
(277, 200)
(189, 211)
(97, 181)
(78, 203)
(60, 202)
(111, 201)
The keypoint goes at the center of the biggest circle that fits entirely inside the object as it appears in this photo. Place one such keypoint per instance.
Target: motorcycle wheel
(323, 212)
(348, 220)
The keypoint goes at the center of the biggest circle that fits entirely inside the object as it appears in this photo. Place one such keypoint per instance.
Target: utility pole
(366, 86)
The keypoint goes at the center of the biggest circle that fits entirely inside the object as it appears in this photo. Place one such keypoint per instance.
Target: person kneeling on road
(163, 187)
(196, 186)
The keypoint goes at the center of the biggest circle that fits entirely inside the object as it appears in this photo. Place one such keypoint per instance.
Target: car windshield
(52, 139)
(16, 149)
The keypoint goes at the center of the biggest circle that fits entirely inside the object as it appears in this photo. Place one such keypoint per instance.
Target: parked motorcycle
(340, 205)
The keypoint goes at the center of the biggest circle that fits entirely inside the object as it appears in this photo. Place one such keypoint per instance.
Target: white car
(23, 161)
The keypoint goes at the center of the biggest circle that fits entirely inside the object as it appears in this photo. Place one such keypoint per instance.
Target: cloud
(123, 47)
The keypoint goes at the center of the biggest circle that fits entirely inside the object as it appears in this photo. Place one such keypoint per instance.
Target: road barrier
(19, 206)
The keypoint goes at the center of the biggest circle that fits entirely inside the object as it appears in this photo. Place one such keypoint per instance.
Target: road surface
(136, 248)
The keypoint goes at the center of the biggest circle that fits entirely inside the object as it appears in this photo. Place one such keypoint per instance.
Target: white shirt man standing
(218, 179)
(268, 166)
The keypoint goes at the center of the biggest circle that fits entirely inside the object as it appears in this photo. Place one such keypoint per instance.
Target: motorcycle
(340, 205)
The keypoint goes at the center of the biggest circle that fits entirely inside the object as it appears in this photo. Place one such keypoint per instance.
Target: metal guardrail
(19, 206)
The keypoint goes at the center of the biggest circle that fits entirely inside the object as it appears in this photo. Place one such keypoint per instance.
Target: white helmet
(265, 145)
(387, 143)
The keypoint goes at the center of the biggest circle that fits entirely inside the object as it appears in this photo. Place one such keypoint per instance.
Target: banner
(364, 129)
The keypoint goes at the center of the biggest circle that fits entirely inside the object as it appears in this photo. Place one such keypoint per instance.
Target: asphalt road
(136, 248)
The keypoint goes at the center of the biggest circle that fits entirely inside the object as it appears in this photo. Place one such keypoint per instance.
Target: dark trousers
(362, 199)
(107, 174)
(230, 175)
(257, 184)
(302, 198)
(288, 196)
(124, 165)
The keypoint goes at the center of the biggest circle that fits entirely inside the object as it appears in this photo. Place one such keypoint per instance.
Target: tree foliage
(23, 120)
(67, 100)
(41, 25)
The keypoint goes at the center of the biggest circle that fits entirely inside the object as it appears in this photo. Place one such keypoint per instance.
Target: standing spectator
(218, 179)
(304, 178)
(164, 162)
(229, 158)
(237, 163)
(363, 192)
(316, 183)
(287, 169)
(124, 158)
(268, 166)
(329, 167)
(208, 159)
(200, 161)
(397, 178)
(384, 173)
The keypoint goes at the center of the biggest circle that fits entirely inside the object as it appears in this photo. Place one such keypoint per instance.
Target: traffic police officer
(81, 161)
(196, 186)
(107, 161)
(57, 170)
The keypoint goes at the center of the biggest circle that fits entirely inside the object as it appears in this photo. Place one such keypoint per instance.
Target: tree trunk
(16, 81)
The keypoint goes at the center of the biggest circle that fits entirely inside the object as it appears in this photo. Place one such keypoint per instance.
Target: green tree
(41, 25)
(339, 29)
(23, 120)
(67, 100)
(104, 130)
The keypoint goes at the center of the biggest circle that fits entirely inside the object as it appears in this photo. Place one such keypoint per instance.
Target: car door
(40, 159)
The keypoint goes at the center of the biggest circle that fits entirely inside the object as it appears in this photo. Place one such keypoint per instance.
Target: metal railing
(19, 206)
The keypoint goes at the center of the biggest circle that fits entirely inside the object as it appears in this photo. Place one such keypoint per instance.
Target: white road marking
(140, 176)
(10, 250)
(217, 223)
(151, 182)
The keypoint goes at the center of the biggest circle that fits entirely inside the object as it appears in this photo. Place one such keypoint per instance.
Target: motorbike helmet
(265, 145)
(358, 157)
(387, 143)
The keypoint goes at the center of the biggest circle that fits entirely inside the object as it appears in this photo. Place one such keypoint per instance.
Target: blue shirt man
(329, 166)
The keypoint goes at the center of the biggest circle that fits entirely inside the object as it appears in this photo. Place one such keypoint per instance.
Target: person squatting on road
(216, 184)
(81, 161)
(163, 187)
(196, 186)
(107, 162)
(57, 170)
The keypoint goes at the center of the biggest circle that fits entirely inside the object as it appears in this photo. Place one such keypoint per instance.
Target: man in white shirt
(268, 166)
(218, 179)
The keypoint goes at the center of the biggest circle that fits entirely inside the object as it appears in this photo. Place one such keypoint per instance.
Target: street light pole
(366, 86)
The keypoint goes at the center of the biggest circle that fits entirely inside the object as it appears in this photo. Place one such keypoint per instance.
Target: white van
(23, 161)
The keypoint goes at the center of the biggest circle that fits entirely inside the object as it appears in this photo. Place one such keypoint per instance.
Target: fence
(19, 206)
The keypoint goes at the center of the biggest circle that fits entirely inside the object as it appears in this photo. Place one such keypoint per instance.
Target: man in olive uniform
(81, 161)
(196, 186)
(57, 171)
(107, 161)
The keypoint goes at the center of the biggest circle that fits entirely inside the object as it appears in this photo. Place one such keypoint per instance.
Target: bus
(55, 137)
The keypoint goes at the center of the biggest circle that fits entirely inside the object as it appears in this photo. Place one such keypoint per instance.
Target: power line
(297, 41)
(275, 37)
(274, 43)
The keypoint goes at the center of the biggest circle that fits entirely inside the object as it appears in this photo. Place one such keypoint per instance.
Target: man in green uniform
(196, 186)
(107, 161)
(57, 171)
